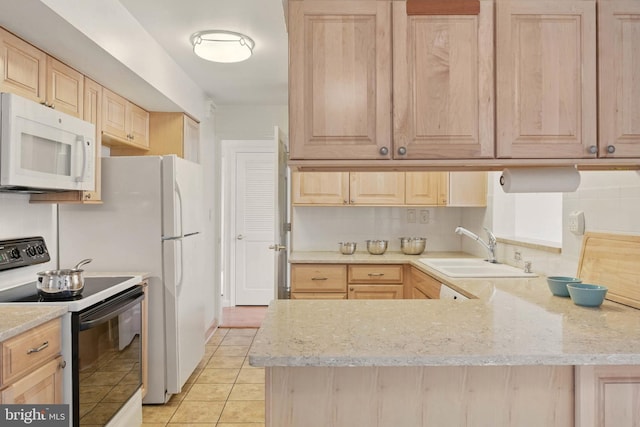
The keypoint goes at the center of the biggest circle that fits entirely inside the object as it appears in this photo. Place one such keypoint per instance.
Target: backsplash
(610, 202)
(321, 228)
(19, 218)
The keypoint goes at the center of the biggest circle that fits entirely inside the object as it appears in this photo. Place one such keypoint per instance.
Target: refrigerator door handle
(179, 200)
(180, 278)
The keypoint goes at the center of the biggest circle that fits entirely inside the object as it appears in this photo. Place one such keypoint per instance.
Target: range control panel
(16, 253)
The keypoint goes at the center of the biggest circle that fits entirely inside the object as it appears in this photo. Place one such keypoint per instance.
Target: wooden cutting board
(612, 260)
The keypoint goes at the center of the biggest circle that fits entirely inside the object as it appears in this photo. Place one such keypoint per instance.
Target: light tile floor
(224, 390)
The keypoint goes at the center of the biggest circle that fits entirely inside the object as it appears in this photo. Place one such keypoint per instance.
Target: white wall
(19, 218)
(610, 201)
(321, 228)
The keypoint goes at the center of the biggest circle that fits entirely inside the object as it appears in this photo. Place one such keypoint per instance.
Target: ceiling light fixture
(222, 46)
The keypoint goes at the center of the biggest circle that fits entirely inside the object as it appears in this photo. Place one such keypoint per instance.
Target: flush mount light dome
(222, 46)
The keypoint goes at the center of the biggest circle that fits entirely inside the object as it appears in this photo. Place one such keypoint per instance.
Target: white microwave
(44, 150)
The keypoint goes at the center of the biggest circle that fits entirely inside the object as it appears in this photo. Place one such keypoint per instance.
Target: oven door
(107, 356)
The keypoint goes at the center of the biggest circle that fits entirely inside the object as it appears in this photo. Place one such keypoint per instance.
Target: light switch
(576, 223)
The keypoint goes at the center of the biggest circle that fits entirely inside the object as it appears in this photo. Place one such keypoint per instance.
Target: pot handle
(83, 262)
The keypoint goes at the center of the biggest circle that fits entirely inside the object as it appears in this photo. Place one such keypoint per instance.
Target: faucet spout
(490, 247)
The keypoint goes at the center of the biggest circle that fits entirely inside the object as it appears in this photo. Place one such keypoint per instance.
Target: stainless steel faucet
(490, 246)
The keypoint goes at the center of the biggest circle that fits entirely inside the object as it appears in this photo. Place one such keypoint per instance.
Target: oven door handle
(108, 313)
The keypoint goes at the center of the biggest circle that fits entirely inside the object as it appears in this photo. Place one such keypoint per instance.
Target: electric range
(102, 336)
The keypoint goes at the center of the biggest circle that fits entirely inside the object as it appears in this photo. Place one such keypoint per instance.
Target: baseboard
(210, 330)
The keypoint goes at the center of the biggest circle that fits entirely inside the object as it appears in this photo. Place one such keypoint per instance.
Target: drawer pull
(38, 349)
(319, 278)
(376, 274)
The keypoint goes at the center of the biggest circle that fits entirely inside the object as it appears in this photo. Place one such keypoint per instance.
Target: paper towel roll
(540, 180)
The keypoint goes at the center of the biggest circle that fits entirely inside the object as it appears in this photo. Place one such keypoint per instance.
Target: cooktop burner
(92, 286)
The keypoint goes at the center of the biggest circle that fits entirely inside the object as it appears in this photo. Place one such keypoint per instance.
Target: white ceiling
(260, 80)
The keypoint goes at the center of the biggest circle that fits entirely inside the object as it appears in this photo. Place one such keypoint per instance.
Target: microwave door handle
(85, 157)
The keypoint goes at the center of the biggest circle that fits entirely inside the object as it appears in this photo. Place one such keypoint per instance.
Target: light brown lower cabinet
(318, 295)
(32, 366)
(41, 386)
(376, 292)
(607, 396)
(423, 286)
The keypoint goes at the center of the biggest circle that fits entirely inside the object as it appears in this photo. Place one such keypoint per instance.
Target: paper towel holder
(551, 179)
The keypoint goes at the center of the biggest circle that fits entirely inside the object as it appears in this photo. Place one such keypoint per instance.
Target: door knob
(278, 247)
(239, 237)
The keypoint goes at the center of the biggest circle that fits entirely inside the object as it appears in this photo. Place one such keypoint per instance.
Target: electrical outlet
(411, 216)
(576, 223)
(425, 216)
(517, 255)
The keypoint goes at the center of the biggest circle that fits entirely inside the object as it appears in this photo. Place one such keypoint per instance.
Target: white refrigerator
(150, 220)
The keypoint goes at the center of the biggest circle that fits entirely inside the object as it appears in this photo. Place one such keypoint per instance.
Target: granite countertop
(389, 257)
(18, 318)
(509, 322)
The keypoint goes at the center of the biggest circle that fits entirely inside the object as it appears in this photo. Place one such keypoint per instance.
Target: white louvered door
(255, 228)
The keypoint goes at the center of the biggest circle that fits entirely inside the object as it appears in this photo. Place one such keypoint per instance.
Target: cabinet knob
(352, 201)
(345, 202)
(593, 149)
(611, 149)
(402, 151)
(384, 151)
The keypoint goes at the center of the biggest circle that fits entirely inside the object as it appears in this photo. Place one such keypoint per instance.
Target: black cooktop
(29, 291)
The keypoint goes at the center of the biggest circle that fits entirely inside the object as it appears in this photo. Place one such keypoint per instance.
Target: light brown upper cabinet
(619, 66)
(342, 59)
(174, 133)
(344, 188)
(65, 88)
(443, 98)
(546, 79)
(22, 68)
(31, 73)
(389, 188)
(124, 124)
(340, 79)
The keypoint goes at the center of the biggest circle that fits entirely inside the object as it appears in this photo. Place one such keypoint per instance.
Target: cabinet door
(376, 188)
(114, 115)
(320, 188)
(138, 125)
(607, 396)
(545, 81)
(443, 84)
(22, 68)
(426, 188)
(340, 79)
(467, 189)
(424, 286)
(619, 62)
(93, 114)
(65, 88)
(42, 386)
(375, 292)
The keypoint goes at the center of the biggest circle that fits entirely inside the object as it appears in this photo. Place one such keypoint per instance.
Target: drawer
(318, 295)
(318, 278)
(382, 273)
(376, 291)
(23, 353)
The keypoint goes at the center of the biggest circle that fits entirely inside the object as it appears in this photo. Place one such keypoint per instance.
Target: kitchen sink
(473, 267)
